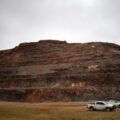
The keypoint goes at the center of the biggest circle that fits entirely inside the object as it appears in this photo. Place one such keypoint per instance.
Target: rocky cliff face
(58, 71)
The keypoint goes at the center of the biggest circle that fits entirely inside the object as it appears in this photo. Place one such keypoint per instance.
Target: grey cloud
(72, 20)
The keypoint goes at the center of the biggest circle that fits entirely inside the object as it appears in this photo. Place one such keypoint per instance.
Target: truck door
(100, 105)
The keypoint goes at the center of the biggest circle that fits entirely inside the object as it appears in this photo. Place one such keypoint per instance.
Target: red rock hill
(59, 71)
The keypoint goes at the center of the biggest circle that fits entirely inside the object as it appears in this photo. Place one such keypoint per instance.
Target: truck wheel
(114, 107)
(118, 106)
(108, 109)
(91, 108)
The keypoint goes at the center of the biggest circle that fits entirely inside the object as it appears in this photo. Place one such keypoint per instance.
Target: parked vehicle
(101, 105)
(114, 102)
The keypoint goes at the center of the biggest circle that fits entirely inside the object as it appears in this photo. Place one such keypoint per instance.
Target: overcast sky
(70, 20)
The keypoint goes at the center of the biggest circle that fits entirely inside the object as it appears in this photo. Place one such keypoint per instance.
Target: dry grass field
(53, 111)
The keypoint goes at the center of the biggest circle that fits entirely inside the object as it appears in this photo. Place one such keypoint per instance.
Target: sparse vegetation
(53, 111)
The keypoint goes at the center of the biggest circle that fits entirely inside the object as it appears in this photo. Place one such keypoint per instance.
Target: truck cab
(100, 105)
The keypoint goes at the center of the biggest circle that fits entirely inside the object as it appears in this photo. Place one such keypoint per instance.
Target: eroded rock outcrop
(58, 71)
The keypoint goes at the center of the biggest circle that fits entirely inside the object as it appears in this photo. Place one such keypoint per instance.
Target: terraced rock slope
(54, 70)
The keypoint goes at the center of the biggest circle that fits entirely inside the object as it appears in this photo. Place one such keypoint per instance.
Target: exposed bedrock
(54, 70)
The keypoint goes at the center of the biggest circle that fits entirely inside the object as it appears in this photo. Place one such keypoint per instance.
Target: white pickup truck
(101, 105)
(114, 102)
